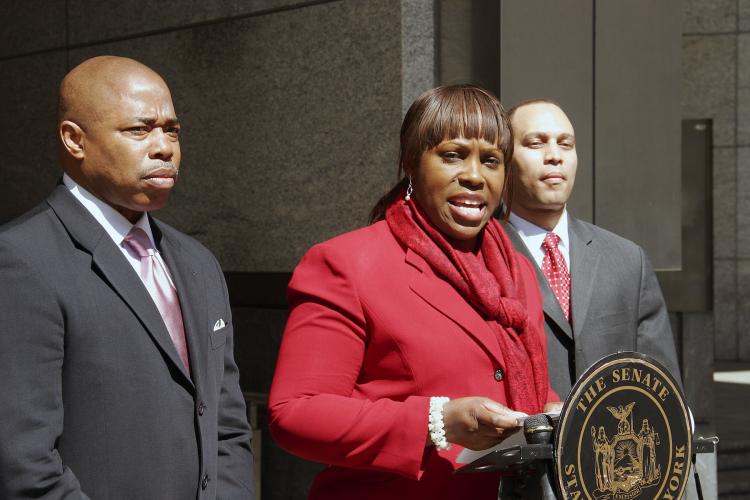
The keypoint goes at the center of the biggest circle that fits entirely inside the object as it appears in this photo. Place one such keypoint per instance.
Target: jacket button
(204, 483)
(201, 408)
(499, 374)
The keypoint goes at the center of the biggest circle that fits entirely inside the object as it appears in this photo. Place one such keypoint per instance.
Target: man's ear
(72, 136)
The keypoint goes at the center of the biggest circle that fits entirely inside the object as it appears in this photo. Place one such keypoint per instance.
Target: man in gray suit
(600, 293)
(118, 377)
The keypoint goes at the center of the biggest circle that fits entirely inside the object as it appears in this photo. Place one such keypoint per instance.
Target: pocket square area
(219, 324)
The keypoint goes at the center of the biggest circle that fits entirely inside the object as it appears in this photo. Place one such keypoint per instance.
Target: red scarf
(490, 282)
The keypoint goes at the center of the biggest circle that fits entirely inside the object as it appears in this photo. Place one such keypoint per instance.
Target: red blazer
(372, 334)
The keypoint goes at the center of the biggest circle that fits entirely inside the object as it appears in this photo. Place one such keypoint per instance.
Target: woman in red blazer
(420, 330)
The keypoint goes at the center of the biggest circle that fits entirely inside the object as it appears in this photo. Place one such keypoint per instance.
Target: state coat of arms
(624, 433)
(625, 463)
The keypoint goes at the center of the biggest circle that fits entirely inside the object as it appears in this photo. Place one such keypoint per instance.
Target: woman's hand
(478, 423)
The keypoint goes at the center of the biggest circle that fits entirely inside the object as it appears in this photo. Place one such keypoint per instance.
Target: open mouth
(467, 210)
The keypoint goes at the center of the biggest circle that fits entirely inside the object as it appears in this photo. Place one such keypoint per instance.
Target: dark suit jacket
(94, 401)
(616, 305)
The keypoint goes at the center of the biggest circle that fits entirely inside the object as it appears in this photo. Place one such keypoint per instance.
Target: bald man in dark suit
(118, 377)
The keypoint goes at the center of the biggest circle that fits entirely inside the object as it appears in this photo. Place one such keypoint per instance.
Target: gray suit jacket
(94, 401)
(616, 305)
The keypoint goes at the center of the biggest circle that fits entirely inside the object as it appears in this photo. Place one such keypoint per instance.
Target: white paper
(467, 456)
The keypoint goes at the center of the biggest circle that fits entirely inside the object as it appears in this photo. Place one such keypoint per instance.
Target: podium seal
(624, 433)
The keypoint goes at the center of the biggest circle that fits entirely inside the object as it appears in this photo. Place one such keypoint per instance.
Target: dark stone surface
(743, 202)
(725, 203)
(284, 476)
(290, 122)
(716, 16)
(94, 21)
(31, 25)
(743, 309)
(744, 15)
(417, 49)
(257, 336)
(28, 100)
(697, 364)
(709, 67)
(725, 309)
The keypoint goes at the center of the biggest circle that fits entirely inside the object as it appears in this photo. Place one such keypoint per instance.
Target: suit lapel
(192, 294)
(115, 269)
(445, 299)
(583, 269)
(552, 309)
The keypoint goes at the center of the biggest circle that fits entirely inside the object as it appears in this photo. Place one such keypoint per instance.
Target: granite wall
(716, 84)
(290, 116)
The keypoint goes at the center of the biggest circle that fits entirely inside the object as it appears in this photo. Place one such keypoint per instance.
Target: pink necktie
(556, 272)
(159, 286)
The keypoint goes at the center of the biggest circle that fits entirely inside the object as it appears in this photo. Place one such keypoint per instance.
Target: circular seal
(624, 433)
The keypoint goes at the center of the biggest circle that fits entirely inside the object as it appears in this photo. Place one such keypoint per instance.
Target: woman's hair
(443, 113)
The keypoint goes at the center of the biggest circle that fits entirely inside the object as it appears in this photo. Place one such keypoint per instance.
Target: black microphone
(538, 429)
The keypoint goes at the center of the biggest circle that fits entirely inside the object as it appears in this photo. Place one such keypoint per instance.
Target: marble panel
(743, 310)
(725, 309)
(30, 168)
(743, 202)
(96, 21)
(725, 202)
(31, 26)
(716, 16)
(708, 83)
(290, 125)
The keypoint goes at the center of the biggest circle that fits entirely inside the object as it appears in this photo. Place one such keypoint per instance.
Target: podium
(624, 433)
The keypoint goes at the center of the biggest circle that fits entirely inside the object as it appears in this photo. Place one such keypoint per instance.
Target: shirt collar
(113, 222)
(534, 235)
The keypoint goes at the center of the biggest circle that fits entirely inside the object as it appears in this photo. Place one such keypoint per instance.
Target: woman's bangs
(466, 114)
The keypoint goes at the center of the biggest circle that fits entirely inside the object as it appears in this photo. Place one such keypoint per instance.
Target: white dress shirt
(113, 222)
(533, 236)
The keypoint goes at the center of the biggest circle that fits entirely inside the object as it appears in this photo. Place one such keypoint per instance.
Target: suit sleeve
(32, 345)
(235, 460)
(654, 330)
(314, 408)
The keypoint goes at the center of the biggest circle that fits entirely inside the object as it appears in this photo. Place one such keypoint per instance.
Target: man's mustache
(163, 169)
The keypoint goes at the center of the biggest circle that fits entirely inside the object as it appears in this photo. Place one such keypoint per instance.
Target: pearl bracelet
(435, 425)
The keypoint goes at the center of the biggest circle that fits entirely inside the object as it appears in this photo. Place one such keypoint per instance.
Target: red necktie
(159, 286)
(556, 272)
